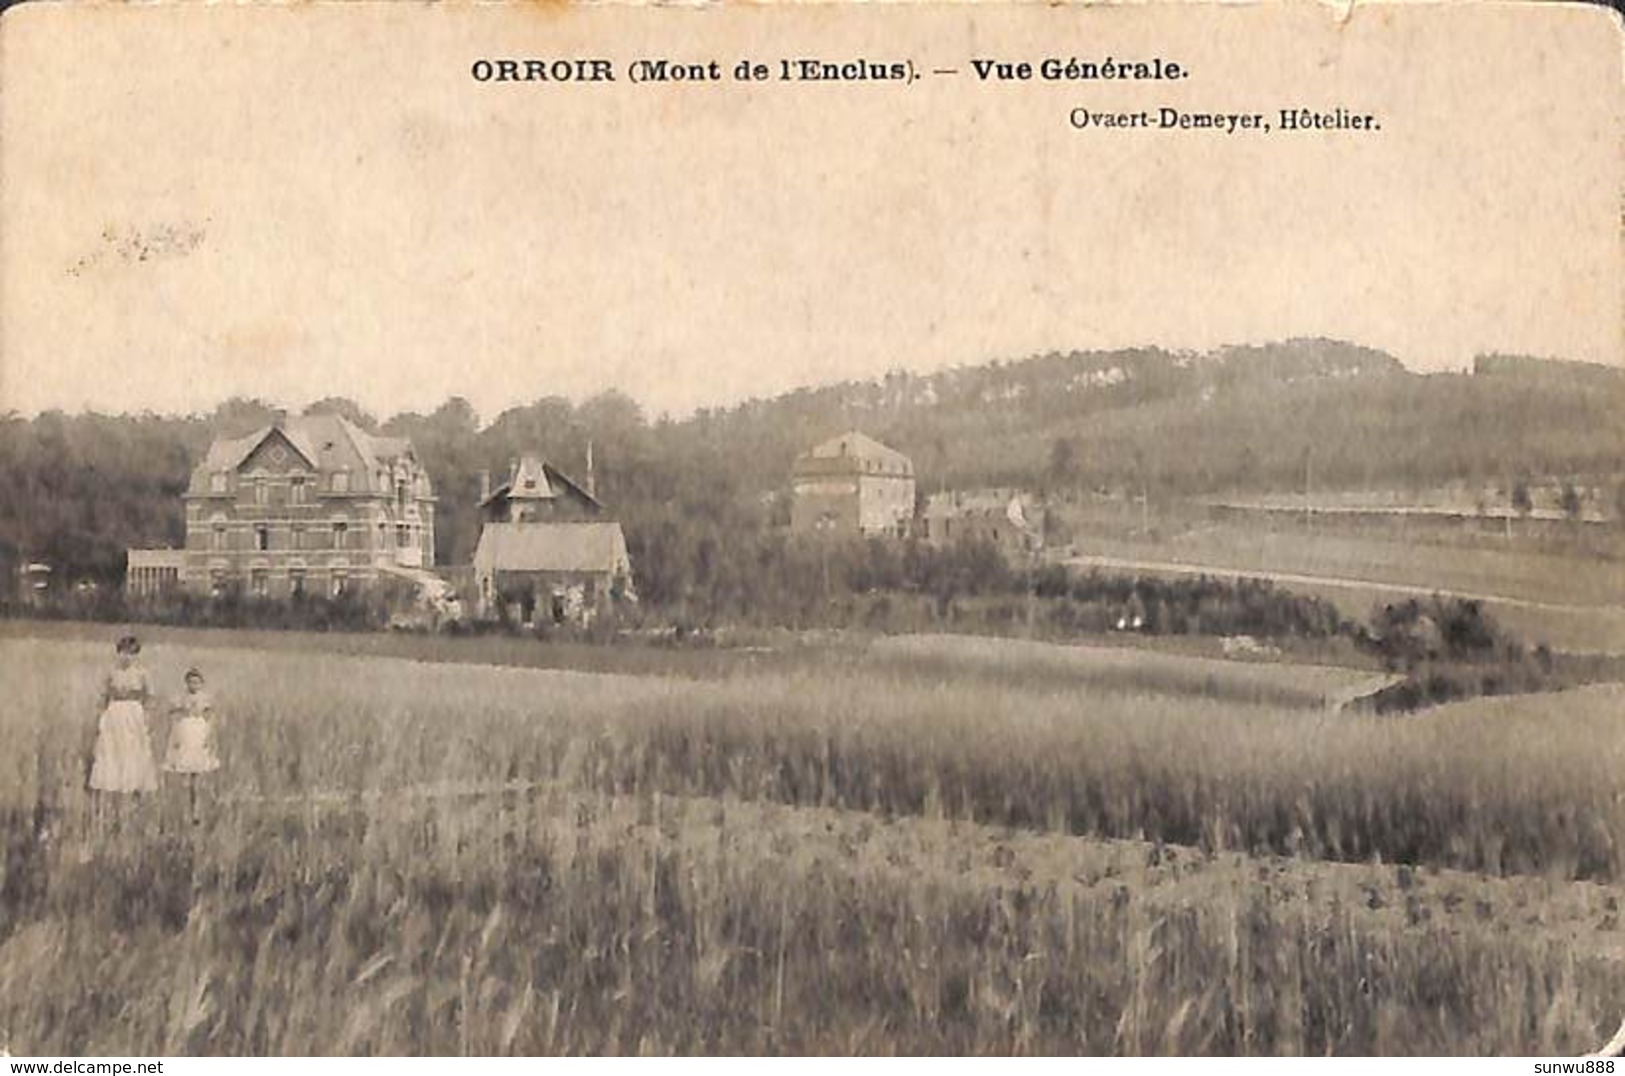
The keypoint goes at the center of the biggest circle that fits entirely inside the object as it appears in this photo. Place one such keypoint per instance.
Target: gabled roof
(552, 547)
(328, 442)
(853, 451)
(533, 478)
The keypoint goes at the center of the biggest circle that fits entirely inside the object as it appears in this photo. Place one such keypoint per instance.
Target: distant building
(312, 505)
(548, 551)
(852, 485)
(1009, 519)
(152, 573)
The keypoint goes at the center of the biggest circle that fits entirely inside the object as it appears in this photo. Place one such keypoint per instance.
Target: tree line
(700, 498)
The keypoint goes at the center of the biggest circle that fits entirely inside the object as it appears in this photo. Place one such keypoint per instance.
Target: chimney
(485, 486)
(279, 418)
(592, 483)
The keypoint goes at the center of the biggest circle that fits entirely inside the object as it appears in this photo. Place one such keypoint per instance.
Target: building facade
(307, 506)
(852, 485)
(561, 573)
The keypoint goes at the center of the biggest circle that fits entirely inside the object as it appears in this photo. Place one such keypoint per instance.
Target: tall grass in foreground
(342, 896)
(577, 923)
(1514, 785)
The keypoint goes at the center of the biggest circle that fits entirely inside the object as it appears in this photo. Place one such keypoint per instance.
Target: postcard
(855, 529)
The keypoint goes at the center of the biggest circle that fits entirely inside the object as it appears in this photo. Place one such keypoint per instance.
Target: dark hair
(128, 644)
(193, 671)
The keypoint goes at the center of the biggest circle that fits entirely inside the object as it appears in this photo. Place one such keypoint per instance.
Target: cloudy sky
(301, 201)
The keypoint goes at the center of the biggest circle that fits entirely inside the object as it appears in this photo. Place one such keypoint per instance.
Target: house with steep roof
(312, 505)
(548, 550)
(852, 485)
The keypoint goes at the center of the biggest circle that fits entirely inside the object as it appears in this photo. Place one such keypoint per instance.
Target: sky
(294, 202)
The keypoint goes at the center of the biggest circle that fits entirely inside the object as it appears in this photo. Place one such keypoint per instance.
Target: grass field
(868, 853)
(1581, 572)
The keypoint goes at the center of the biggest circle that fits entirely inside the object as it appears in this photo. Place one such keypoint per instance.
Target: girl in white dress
(122, 759)
(191, 737)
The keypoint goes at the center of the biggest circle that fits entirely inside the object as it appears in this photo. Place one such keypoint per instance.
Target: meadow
(868, 852)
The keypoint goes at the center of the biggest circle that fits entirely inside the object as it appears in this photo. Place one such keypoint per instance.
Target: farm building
(1006, 518)
(310, 505)
(852, 485)
(547, 550)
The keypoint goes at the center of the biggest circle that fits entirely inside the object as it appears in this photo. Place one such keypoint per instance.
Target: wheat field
(842, 857)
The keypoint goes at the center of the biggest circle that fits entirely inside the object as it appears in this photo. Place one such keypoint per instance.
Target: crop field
(1583, 569)
(869, 853)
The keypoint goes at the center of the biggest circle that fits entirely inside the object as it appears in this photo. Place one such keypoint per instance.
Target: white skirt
(191, 747)
(123, 759)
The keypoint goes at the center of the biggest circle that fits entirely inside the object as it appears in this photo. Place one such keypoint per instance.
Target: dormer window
(341, 481)
(217, 482)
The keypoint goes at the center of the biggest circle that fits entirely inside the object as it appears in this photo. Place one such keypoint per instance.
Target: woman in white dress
(122, 759)
(191, 738)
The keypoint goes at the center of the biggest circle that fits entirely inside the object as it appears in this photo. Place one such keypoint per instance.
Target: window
(218, 536)
(262, 491)
(259, 582)
(296, 582)
(217, 482)
(341, 535)
(403, 535)
(262, 537)
(217, 582)
(296, 537)
(383, 534)
(296, 491)
(341, 481)
(341, 582)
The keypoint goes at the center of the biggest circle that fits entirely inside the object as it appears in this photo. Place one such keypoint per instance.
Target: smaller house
(565, 572)
(1009, 519)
